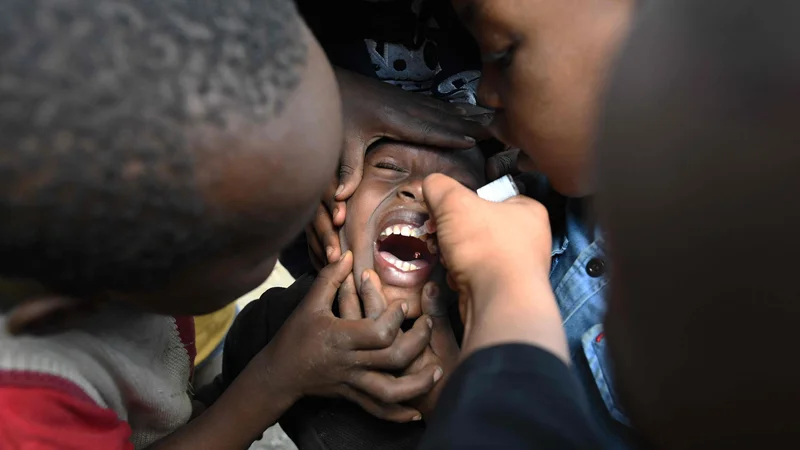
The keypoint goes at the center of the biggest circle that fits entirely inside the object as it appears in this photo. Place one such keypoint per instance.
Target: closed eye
(503, 58)
(390, 166)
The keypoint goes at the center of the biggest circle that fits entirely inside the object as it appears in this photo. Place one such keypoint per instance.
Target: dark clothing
(419, 46)
(540, 404)
(312, 423)
(295, 258)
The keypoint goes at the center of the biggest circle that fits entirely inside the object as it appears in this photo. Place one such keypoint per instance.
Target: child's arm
(316, 353)
(255, 327)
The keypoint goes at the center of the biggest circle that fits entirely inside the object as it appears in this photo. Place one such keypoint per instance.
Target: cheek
(358, 227)
(523, 93)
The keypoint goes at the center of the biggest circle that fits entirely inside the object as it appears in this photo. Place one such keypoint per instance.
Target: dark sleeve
(511, 396)
(252, 330)
(295, 258)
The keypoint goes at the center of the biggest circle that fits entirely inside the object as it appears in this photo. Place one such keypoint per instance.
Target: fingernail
(437, 374)
(329, 252)
(433, 291)
(404, 307)
(339, 189)
(430, 322)
(365, 276)
(416, 418)
(335, 212)
(341, 258)
(469, 139)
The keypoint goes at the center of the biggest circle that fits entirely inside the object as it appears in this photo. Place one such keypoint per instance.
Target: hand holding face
(373, 110)
(317, 354)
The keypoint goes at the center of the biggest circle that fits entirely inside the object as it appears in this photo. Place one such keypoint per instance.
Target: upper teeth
(403, 230)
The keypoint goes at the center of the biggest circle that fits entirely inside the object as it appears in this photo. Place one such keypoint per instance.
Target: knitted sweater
(134, 364)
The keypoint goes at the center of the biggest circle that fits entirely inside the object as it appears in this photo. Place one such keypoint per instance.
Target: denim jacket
(579, 277)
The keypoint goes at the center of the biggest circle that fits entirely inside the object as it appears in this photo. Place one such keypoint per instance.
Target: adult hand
(373, 110)
(498, 259)
(317, 354)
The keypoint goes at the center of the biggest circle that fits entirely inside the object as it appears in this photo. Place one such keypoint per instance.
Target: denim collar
(560, 243)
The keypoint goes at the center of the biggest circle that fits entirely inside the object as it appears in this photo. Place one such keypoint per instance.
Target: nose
(487, 94)
(411, 191)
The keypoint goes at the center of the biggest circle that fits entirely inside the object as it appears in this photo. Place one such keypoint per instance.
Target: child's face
(389, 204)
(544, 66)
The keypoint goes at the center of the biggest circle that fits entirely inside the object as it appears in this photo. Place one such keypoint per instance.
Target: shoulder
(49, 412)
(277, 303)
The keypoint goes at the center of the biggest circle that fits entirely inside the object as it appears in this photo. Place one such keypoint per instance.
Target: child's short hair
(103, 109)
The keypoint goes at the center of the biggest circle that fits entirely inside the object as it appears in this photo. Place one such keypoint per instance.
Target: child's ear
(46, 313)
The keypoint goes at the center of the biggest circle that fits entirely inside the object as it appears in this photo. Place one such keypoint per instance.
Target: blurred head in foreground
(135, 135)
(698, 169)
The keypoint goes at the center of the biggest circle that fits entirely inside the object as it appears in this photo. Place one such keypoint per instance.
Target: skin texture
(261, 186)
(443, 350)
(702, 123)
(123, 123)
(392, 182)
(227, 184)
(544, 70)
(311, 126)
(374, 110)
(316, 353)
(500, 300)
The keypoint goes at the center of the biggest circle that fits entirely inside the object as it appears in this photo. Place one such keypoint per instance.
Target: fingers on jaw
(349, 304)
(432, 304)
(368, 334)
(390, 412)
(332, 276)
(372, 294)
(390, 389)
(403, 351)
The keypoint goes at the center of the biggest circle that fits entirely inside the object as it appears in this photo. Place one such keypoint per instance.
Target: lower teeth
(405, 266)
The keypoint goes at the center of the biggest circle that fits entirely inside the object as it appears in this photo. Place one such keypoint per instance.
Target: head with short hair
(388, 208)
(160, 151)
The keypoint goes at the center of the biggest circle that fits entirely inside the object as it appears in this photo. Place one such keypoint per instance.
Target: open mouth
(405, 253)
(406, 248)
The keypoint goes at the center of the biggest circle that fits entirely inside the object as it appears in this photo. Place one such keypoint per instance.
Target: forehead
(470, 161)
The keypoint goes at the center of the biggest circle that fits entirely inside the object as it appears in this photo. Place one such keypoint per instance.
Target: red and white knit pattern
(134, 363)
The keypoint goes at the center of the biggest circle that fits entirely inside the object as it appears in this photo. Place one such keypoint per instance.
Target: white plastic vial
(499, 190)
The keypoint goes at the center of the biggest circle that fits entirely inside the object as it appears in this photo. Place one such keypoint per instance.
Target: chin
(412, 297)
(569, 187)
